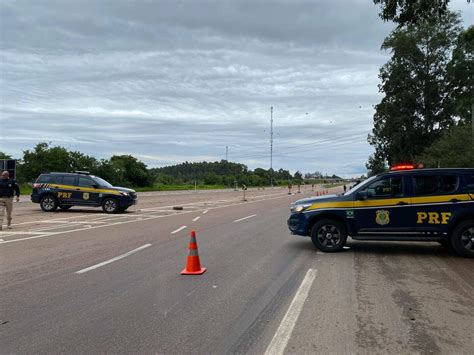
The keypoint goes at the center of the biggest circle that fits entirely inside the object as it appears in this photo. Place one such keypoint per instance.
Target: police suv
(402, 205)
(64, 190)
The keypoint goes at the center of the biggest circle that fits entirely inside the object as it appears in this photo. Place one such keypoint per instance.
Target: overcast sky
(173, 81)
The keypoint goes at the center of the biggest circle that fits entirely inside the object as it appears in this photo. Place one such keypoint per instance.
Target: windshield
(102, 182)
(355, 188)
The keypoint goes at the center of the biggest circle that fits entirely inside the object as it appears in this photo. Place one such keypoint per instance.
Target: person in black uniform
(8, 188)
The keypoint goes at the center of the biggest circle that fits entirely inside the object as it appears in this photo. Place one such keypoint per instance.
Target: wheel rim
(110, 205)
(48, 203)
(467, 239)
(329, 236)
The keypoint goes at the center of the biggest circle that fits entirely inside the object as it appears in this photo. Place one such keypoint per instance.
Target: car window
(44, 179)
(436, 184)
(102, 182)
(386, 187)
(86, 182)
(470, 183)
(68, 180)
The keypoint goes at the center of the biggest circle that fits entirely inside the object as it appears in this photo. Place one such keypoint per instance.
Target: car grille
(133, 195)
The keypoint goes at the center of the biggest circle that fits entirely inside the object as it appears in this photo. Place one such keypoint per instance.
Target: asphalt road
(84, 282)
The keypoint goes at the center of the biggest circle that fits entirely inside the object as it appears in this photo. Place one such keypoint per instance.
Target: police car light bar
(402, 167)
(82, 172)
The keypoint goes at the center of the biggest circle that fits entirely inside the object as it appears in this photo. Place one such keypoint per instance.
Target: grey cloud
(171, 81)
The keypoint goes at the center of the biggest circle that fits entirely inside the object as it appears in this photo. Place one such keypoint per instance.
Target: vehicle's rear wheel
(64, 208)
(49, 203)
(110, 205)
(329, 235)
(462, 239)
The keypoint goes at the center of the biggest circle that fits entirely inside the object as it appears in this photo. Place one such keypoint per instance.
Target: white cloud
(171, 81)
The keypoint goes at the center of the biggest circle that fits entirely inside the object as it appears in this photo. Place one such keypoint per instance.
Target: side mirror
(361, 195)
(95, 186)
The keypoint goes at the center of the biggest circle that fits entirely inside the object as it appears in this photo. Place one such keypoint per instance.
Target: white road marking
(242, 219)
(196, 219)
(178, 230)
(204, 212)
(46, 234)
(67, 222)
(283, 334)
(112, 260)
(9, 232)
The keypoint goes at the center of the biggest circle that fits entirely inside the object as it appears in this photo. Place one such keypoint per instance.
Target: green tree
(461, 75)
(130, 171)
(5, 155)
(80, 161)
(454, 149)
(416, 107)
(376, 165)
(406, 12)
(298, 177)
(44, 158)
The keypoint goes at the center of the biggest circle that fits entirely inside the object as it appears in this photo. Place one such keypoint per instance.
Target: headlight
(124, 193)
(301, 208)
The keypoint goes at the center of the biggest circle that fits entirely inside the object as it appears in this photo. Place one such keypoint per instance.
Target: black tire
(49, 203)
(64, 208)
(110, 205)
(329, 235)
(462, 239)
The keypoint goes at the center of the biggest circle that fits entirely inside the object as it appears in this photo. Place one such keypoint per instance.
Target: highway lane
(361, 300)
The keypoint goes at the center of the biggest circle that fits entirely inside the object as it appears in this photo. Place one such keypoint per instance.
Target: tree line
(425, 115)
(126, 170)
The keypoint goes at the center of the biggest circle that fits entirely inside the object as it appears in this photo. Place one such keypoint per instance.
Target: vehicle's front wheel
(462, 239)
(329, 235)
(49, 203)
(110, 205)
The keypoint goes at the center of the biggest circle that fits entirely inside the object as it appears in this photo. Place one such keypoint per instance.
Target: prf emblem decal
(85, 195)
(382, 217)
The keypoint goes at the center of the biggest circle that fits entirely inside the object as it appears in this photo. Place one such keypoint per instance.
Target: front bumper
(128, 201)
(298, 224)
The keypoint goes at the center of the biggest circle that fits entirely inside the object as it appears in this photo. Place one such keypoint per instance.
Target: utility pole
(227, 153)
(271, 146)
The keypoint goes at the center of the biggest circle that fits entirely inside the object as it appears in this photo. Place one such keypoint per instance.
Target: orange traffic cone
(193, 265)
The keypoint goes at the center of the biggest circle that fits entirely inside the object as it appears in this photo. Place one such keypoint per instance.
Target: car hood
(122, 189)
(319, 199)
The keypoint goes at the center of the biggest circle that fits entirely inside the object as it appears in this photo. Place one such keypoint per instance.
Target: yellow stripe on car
(390, 202)
(86, 189)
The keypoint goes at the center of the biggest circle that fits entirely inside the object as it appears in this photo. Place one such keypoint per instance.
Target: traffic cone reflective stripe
(193, 264)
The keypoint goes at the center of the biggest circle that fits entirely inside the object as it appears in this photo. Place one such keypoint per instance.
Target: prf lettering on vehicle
(433, 217)
(64, 194)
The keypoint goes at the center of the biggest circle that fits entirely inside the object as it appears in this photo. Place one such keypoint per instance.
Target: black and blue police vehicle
(401, 205)
(64, 190)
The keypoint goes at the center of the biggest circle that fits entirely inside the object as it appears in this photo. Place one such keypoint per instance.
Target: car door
(385, 206)
(65, 185)
(88, 193)
(437, 199)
